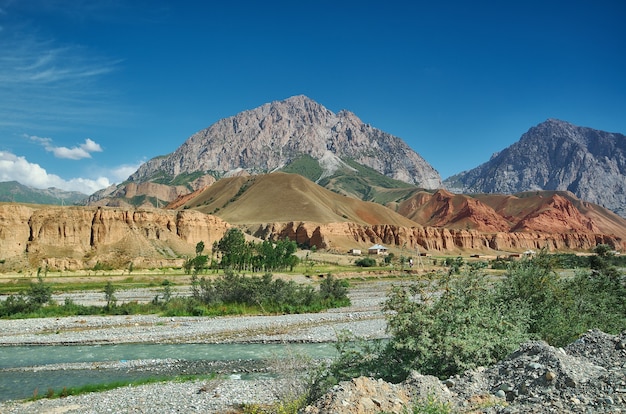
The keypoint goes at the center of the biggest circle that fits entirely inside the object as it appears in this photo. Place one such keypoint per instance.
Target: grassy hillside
(367, 184)
(281, 197)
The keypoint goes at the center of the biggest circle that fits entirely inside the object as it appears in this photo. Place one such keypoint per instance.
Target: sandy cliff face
(343, 236)
(78, 237)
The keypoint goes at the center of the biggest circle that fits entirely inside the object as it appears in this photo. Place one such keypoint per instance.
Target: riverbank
(363, 318)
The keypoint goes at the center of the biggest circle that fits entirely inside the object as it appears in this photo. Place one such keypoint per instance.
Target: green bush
(448, 324)
(268, 294)
(365, 262)
(39, 293)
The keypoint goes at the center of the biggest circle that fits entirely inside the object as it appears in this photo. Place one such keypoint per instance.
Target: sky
(89, 90)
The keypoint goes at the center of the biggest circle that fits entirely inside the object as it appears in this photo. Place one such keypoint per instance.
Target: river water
(26, 370)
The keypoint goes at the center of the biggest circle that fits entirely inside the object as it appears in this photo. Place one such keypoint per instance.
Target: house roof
(377, 247)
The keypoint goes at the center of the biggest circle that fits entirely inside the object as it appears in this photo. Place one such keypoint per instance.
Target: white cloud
(122, 172)
(17, 168)
(84, 150)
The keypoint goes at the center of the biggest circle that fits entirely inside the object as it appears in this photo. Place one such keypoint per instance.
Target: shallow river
(26, 370)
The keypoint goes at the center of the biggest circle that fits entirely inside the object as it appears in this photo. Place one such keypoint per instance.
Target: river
(29, 370)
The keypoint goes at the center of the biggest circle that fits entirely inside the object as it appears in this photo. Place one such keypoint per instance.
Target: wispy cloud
(47, 85)
(17, 168)
(79, 152)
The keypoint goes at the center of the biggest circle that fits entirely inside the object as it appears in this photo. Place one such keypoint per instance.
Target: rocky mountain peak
(275, 134)
(556, 155)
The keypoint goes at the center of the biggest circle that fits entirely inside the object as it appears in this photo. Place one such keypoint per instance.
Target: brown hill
(282, 197)
(540, 211)
(455, 211)
(279, 205)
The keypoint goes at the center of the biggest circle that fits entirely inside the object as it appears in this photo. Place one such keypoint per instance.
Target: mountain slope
(281, 197)
(273, 135)
(15, 192)
(555, 155)
(555, 212)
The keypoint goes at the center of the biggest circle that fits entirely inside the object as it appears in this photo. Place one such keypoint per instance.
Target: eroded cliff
(79, 237)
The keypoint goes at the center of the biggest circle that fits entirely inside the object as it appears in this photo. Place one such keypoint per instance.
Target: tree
(39, 293)
(109, 295)
(199, 248)
(233, 248)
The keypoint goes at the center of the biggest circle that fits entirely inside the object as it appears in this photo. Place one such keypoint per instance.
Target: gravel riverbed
(363, 318)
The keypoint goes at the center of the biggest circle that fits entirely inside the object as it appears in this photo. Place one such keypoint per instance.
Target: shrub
(39, 293)
(365, 262)
(448, 324)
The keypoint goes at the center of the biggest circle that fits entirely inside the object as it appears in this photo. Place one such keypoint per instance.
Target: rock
(268, 137)
(552, 391)
(556, 155)
(361, 396)
(70, 238)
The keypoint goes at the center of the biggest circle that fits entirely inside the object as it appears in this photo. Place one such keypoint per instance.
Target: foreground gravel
(364, 318)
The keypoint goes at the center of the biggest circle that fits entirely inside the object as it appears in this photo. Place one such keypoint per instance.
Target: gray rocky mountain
(273, 135)
(555, 155)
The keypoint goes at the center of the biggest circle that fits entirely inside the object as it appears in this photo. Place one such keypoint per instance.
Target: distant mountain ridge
(12, 191)
(555, 155)
(276, 134)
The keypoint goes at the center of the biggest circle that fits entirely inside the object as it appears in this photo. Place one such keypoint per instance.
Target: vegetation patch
(89, 388)
(305, 166)
(445, 324)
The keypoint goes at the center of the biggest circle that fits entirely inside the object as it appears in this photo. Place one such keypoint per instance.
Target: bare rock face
(343, 236)
(362, 396)
(556, 155)
(14, 229)
(67, 238)
(271, 136)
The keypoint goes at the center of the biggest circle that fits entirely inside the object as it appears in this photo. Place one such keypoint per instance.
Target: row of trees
(235, 253)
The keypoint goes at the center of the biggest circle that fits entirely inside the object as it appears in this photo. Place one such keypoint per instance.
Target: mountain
(278, 205)
(281, 197)
(294, 135)
(15, 192)
(556, 212)
(555, 155)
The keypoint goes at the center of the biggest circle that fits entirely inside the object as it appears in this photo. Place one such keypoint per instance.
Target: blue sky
(91, 89)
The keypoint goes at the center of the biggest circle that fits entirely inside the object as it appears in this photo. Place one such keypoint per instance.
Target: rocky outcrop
(14, 229)
(586, 376)
(78, 237)
(273, 135)
(555, 155)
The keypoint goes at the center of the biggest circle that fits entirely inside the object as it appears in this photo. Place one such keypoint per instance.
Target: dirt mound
(588, 376)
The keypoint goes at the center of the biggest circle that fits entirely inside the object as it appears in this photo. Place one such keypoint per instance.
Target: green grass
(367, 184)
(89, 388)
(305, 166)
